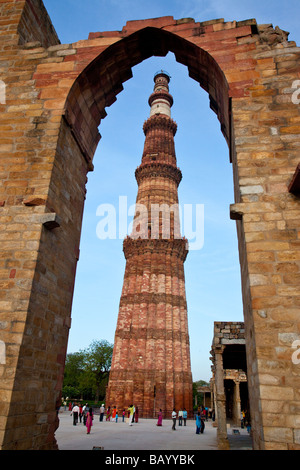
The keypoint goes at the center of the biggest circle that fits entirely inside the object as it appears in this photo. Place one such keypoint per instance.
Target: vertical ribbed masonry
(151, 360)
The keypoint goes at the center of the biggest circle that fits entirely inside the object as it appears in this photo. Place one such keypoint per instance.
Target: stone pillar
(215, 403)
(220, 400)
(237, 403)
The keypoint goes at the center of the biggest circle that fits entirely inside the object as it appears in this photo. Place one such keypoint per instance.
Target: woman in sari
(89, 420)
(198, 423)
(159, 421)
(113, 415)
(108, 413)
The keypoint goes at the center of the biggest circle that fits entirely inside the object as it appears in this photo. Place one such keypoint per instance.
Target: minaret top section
(161, 101)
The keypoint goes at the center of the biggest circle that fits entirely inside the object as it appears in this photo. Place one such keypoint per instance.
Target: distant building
(229, 382)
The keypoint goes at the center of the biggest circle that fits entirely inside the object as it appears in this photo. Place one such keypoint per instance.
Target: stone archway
(49, 132)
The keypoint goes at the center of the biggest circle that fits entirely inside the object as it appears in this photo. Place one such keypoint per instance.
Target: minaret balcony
(177, 247)
(161, 95)
(156, 169)
(160, 121)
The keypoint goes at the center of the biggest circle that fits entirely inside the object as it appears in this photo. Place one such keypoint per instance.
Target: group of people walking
(84, 413)
(131, 415)
(200, 422)
(182, 417)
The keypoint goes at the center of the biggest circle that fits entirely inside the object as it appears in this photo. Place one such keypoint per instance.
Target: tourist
(113, 415)
(108, 413)
(242, 419)
(102, 410)
(75, 412)
(117, 415)
(123, 416)
(89, 420)
(131, 413)
(180, 416)
(198, 422)
(80, 412)
(184, 415)
(202, 421)
(84, 413)
(159, 421)
(174, 416)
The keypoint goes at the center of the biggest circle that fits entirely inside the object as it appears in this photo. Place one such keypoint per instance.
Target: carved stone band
(156, 169)
(139, 246)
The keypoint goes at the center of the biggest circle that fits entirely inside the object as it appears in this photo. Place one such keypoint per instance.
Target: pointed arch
(99, 83)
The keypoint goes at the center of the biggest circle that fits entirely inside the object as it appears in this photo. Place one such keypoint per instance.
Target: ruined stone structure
(229, 375)
(55, 98)
(207, 396)
(236, 392)
(151, 365)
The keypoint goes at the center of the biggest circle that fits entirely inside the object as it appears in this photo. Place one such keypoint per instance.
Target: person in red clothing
(159, 421)
(89, 420)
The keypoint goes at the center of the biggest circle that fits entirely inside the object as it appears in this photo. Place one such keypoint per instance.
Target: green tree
(74, 367)
(70, 392)
(86, 372)
(199, 399)
(97, 362)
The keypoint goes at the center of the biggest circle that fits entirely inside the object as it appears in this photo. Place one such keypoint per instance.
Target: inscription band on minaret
(151, 365)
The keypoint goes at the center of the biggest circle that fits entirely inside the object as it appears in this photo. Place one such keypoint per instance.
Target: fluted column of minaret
(151, 359)
(158, 176)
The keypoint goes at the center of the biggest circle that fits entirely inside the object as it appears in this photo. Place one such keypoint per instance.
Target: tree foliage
(198, 397)
(87, 371)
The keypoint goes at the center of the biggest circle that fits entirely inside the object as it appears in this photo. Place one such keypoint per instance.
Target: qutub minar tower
(151, 358)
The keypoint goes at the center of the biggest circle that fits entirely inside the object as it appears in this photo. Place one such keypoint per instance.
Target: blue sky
(213, 284)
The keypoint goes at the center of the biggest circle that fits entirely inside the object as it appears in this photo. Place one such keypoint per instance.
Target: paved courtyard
(144, 435)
